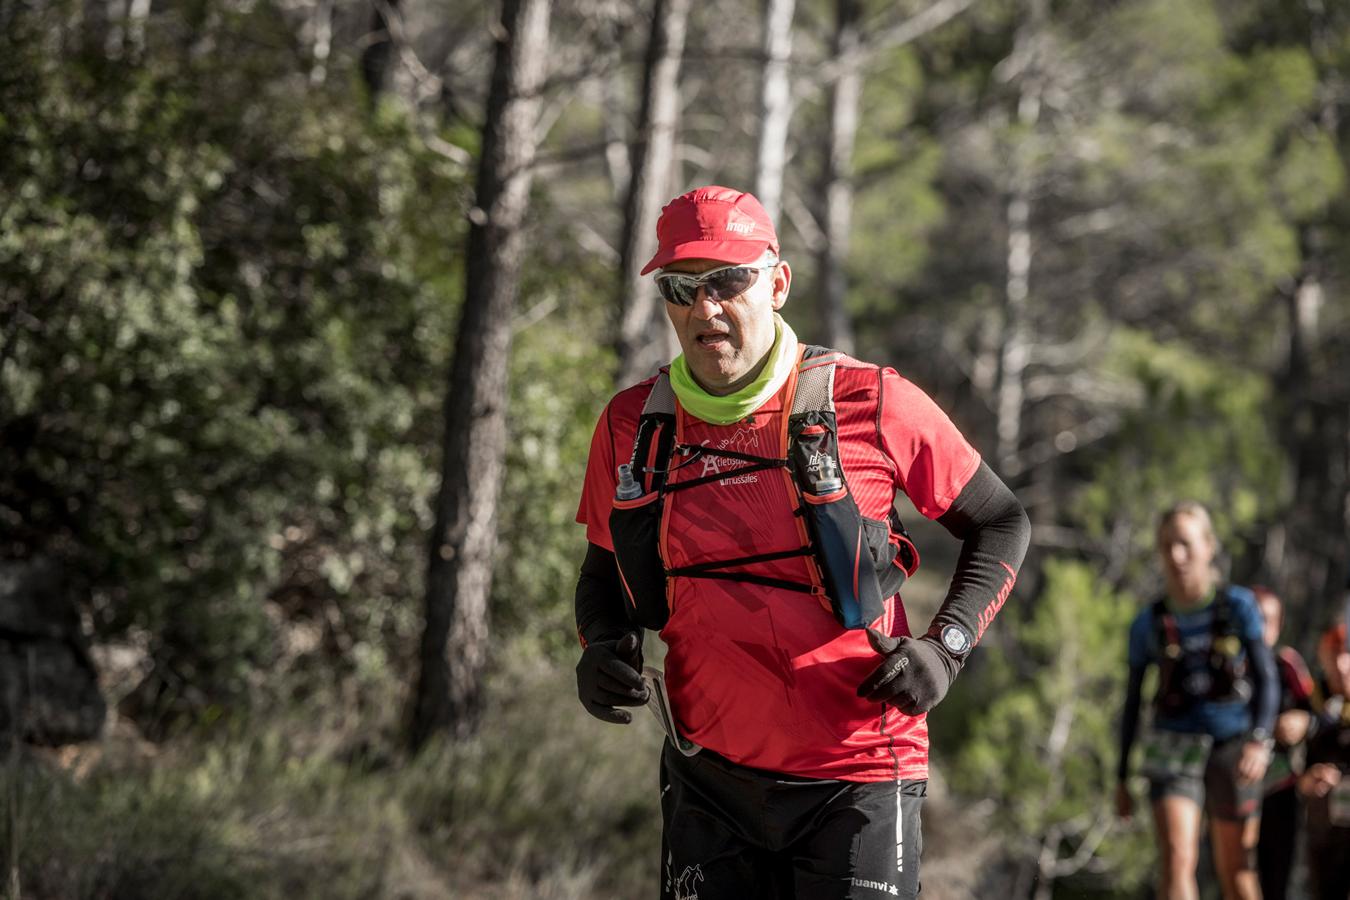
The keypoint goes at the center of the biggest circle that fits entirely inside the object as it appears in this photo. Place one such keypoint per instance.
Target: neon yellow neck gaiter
(734, 407)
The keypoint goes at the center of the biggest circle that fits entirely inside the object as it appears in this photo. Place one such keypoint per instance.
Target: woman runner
(1209, 741)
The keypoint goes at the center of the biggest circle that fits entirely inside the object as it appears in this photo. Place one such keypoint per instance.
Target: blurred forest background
(269, 268)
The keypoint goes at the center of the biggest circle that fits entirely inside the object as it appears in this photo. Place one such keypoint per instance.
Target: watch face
(955, 639)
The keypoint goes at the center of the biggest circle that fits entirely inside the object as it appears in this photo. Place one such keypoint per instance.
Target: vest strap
(700, 568)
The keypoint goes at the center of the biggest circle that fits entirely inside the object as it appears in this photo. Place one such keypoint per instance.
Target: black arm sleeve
(994, 531)
(1129, 721)
(1265, 684)
(599, 600)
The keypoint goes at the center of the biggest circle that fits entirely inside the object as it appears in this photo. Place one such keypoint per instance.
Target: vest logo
(746, 228)
(744, 440)
(884, 887)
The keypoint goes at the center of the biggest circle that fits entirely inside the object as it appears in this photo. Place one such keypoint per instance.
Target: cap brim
(723, 251)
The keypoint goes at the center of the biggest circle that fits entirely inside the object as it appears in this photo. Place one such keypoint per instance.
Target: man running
(748, 492)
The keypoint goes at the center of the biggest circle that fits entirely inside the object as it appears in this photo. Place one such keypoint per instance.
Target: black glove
(609, 675)
(913, 677)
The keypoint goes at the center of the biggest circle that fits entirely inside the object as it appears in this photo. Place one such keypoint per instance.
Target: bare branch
(803, 220)
(1087, 848)
(897, 35)
(535, 314)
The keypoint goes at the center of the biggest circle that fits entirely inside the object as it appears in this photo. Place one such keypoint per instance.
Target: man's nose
(705, 307)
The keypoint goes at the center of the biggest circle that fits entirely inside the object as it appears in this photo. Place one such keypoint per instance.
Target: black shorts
(1219, 792)
(735, 833)
(1329, 862)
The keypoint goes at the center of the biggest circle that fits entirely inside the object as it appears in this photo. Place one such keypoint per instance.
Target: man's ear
(782, 284)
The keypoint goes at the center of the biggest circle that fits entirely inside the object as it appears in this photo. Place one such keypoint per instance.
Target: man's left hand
(914, 675)
(1251, 766)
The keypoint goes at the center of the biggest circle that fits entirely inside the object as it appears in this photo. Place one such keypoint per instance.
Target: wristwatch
(1261, 736)
(956, 641)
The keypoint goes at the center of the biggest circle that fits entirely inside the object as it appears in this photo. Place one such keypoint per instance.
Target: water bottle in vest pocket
(846, 556)
(635, 527)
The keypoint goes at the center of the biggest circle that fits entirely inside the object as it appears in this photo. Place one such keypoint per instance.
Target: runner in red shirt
(724, 484)
(1281, 813)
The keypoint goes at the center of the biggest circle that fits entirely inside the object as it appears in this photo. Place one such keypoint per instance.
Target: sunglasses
(719, 284)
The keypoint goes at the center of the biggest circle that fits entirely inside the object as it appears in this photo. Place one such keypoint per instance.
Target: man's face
(1272, 614)
(724, 342)
(1337, 669)
(1187, 551)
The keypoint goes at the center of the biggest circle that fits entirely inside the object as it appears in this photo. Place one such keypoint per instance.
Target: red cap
(712, 223)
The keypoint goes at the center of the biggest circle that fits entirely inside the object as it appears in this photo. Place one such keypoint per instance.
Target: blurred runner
(1209, 742)
(1280, 810)
(1325, 784)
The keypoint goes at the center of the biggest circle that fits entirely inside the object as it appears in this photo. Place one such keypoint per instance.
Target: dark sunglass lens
(729, 283)
(677, 290)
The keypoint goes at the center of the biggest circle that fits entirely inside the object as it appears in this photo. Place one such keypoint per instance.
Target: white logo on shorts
(686, 886)
(884, 886)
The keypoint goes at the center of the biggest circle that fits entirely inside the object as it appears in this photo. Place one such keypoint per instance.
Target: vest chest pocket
(1175, 754)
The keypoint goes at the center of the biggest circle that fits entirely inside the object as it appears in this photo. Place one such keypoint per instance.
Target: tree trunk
(377, 62)
(775, 107)
(1308, 554)
(459, 573)
(617, 166)
(322, 41)
(644, 335)
(1014, 351)
(138, 11)
(837, 184)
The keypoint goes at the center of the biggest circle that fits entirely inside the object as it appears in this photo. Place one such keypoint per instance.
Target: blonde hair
(1200, 513)
(1189, 508)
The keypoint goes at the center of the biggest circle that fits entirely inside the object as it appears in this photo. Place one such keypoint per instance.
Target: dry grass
(546, 804)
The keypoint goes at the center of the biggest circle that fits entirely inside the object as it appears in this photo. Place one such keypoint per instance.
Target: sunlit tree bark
(459, 574)
(775, 106)
(845, 95)
(644, 335)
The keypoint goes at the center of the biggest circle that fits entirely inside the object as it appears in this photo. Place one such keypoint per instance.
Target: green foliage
(228, 300)
(896, 204)
(560, 385)
(1196, 433)
(1056, 698)
(1309, 175)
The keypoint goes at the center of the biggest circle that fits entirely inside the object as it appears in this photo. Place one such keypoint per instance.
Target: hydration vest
(1220, 677)
(858, 562)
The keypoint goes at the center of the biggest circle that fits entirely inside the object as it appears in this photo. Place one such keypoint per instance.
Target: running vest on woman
(1221, 714)
(763, 675)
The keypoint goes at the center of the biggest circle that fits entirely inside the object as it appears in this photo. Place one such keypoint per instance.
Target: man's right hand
(609, 675)
(1320, 779)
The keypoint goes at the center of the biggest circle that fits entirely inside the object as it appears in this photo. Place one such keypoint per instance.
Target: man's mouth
(712, 339)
